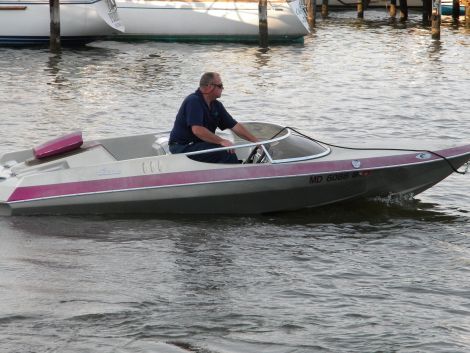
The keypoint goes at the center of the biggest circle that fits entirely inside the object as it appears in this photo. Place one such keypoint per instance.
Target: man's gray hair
(207, 78)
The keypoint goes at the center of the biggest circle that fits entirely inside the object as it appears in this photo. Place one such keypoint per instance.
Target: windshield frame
(327, 150)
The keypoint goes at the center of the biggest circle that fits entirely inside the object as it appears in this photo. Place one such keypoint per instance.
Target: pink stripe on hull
(228, 174)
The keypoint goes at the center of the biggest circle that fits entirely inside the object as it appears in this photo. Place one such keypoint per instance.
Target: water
(371, 276)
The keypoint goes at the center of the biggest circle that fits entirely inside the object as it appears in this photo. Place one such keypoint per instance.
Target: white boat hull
(130, 175)
(206, 20)
(29, 22)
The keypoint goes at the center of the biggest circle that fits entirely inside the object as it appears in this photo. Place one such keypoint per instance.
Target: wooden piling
(360, 9)
(403, 10)
(436, 20)
(467, 14)
(54, 10)
(393, 9)
(427, 12)
(455, 10)
(324, 9)
(263, 23)
(311, 13)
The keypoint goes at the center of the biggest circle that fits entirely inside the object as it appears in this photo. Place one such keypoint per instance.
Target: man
(199, 116)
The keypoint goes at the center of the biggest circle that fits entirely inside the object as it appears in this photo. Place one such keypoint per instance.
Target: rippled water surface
(370, 276)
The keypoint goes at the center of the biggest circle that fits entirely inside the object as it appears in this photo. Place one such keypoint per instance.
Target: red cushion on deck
(59, 145)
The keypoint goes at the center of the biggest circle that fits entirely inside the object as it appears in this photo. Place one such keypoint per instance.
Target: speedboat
(287, 170)
(28, 21)
(209, 20)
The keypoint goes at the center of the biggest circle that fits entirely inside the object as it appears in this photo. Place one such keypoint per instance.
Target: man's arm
(207, 136)
(241, 131)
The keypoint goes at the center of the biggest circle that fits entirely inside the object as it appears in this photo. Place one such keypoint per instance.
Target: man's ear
(206, 89)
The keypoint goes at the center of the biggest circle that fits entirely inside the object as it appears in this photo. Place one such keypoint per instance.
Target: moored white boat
(210, 20)
(26, 22)
(136, 174)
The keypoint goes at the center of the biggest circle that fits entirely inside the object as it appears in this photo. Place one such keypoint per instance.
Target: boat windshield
(278, 145)
(295, 147)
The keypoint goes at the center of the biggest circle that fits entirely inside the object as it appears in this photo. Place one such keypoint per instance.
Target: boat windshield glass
(295, 147)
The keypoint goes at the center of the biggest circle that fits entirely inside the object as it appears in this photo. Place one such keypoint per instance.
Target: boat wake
(402, 200)
(377, 210)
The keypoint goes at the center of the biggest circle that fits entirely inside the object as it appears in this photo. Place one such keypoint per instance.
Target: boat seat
(161, 145)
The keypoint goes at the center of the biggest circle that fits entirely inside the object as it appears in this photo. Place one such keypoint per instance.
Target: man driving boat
(199, 116)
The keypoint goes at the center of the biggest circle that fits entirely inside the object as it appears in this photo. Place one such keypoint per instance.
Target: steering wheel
(257, 155)
(251, 156)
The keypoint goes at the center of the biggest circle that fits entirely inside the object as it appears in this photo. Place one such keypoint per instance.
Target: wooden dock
(431, 12)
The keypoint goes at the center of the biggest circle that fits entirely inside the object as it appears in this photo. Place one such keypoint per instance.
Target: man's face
(217, 87)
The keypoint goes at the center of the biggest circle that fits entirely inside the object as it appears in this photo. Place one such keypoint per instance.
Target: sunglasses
(219, 85)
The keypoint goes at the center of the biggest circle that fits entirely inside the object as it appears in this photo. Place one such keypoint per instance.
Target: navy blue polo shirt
(195, 111)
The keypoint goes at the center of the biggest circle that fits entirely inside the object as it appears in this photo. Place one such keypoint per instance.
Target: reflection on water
(53, 65)
(375, 213)
(435, 48)
(262, 58)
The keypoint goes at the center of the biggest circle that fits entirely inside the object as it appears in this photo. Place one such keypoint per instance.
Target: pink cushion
(59, 145)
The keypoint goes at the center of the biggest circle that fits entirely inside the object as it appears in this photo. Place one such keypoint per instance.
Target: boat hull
(447, 9)
(81, 21)
(239, 190)
(209, 20)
